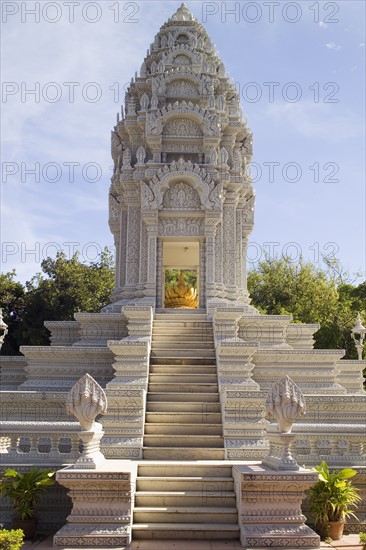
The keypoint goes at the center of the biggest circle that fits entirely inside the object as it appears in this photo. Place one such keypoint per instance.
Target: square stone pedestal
(102, 499)
(269, 505)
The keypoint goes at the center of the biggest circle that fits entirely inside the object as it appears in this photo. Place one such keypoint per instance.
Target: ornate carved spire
(183, 14)
(184, 110)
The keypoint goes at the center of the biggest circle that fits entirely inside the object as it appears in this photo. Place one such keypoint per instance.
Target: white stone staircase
(193, 498)
(183, 420)
(185, 500)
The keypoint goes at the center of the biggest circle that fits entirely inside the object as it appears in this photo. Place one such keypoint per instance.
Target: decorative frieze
(269, 505)
(12, 372)
(57, 368)
(97, 328)
(314, 371)
(102, 500)
(63, 333)
(350, 375)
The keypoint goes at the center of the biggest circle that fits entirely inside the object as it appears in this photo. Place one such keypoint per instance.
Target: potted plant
(25, 490)
(332, 499)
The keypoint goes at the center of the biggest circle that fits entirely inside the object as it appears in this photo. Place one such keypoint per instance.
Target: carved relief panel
(181, 196)
(182, 127)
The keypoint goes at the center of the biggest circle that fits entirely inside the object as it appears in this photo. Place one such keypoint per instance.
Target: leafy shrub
(11, 540)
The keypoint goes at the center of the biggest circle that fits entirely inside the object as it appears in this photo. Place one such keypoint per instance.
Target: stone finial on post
(86, 400)
(3, 329)
(358, 333)
(286, 402)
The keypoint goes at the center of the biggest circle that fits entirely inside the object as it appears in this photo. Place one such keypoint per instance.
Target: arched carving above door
(181, 196)
(210, 193)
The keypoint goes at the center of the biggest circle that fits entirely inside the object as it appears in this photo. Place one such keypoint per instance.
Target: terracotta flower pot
(28, 526)
(335, 531)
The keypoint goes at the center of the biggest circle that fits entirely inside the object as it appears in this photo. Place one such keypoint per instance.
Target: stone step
(175, 514)
(179, 336)
(183, 440)
(187, 353)
(181, 378)
(185, 498)
(209, 361)
(179, 453)
(183, 328)
(214, 485)
(176, 407)
(173, 397)
(186, 469)
(175, 311)
(181, 323)
(185, 531)
(176, 418)
(182, 387)
(168, 428)
(180, 345)
(181, 318)
(183, 369)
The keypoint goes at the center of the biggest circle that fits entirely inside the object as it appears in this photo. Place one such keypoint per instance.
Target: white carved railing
(50, 443)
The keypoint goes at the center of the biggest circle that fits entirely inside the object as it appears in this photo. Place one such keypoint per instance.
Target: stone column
(151, 221)
(244, 243)
(159, 273)
(218, 261)
(202, 274)
(133, 245)
(211, 221)
(122, 250)
(143, 256)
(239, 254)
(229, 245)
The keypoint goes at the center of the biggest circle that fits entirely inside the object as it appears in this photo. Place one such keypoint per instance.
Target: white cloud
(333, 46)
(323, 25)
(361, 45)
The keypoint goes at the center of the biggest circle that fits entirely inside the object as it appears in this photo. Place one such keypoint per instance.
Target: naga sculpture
(286, 403)
(181, 296)
(86, 400)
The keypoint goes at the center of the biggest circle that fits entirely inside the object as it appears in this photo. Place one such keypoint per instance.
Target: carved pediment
(209, 123)
(181, 196)
(182, 127)
(181, 88)
(154, 194)
(182, 59)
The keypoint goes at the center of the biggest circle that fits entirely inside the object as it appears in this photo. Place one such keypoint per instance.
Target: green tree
(12, 301)
(278, 287)
(65, 287)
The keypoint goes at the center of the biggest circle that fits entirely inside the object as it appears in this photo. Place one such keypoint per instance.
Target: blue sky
(299, 67)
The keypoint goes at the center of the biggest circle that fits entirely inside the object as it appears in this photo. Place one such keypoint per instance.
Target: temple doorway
(181, 274)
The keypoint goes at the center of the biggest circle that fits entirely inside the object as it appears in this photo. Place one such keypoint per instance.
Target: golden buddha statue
(181, 296)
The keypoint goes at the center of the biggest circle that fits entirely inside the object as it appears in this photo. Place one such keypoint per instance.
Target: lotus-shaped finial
(86, 400)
